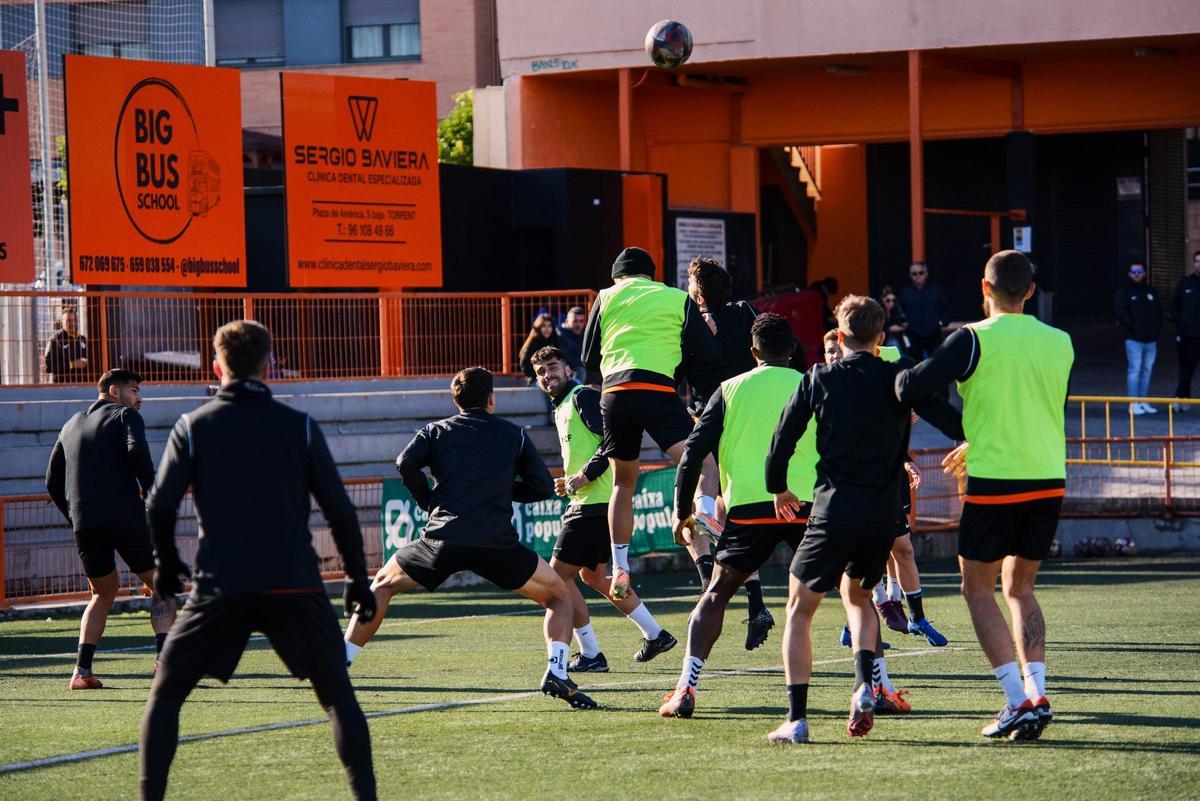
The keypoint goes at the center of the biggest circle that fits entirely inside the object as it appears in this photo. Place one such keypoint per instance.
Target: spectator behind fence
(66, 352)
(543, 335)
(571, 336)
(896, 324)
(925, 305)
(1139, 312)
(1185, 308)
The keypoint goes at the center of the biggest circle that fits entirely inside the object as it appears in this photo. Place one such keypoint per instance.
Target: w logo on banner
(362, 114)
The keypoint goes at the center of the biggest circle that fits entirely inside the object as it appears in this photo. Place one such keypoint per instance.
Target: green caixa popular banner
(538, 524)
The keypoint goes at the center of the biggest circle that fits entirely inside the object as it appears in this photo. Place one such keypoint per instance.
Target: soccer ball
(1102, 546)
(1125, 546)
(1055, 549)
(1083, 547)
(668, 43)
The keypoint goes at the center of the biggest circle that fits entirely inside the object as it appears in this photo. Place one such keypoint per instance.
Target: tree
(456, 132)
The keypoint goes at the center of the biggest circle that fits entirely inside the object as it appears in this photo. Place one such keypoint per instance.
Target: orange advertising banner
(361, 182)
(16, 197)
(154, 155)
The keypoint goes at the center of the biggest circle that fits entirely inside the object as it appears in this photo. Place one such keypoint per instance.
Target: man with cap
(640, 337)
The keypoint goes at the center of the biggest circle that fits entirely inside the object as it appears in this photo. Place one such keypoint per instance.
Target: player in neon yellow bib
(1012, 372)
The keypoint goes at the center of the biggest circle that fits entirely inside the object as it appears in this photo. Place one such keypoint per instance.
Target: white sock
(706, 505)
(894, 593)
(1009, 676)
(645, 621)
(588, 644)
(352, 651)
(620, 556)
(558, 659)
(879, 594)
(690, 676)
(1035, 680)
(879, 675)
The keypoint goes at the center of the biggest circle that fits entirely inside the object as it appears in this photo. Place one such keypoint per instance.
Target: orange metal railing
(167, 336)
(39, 561)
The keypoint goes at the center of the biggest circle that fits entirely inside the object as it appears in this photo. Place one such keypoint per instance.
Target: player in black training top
(98, 470)
(252, 463)
(711, 287)
(862, 431)
(481, 464)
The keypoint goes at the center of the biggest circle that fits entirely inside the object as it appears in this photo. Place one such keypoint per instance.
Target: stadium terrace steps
(367, 423)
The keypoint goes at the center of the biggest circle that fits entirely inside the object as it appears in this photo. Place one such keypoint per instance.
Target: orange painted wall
(841, 247)
(568, 124)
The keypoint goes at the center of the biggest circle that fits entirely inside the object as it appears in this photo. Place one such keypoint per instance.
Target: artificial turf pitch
(1123, 675)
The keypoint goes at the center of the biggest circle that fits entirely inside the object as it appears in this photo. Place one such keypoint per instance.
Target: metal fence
(1106, 477)
(39, 561)
(167, 337)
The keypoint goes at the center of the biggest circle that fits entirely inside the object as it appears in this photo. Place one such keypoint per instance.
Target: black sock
(159, 639)
(754, 593)
(864, 666)
(916, 609)
(797, 701)
(86, 652)
(704, 566)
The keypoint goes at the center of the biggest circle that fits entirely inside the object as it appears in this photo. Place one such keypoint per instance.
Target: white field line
(81, 756)
(425, 621)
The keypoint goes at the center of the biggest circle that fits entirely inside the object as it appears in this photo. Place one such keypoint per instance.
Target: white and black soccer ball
(1055, 549)
(1083, 547)
(668, 43)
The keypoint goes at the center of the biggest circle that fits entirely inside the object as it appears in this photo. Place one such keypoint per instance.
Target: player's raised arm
(591, 341)
(409, 465)
(955, 360)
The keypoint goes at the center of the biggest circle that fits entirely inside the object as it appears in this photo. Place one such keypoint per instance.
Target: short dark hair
(772, 336)
(1009, 274)
(244, 347)
(715, 284)
(118, 378)
(471, 387)
(830, 336)
(549, 354)
(860, 319)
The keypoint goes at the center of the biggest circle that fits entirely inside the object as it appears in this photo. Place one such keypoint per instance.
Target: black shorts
(584, 541)
(210, 635)
(431, 562)
(745, 547)
(628, 413)
(131, 540)
(989, 532)
(830, 549)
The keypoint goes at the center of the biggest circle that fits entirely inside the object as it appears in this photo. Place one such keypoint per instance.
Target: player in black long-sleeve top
(99, 467)
(862, 433)
(252, 463)
(481, 464)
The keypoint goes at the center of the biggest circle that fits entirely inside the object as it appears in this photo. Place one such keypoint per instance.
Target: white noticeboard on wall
(694, 237)
(1023, 238)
